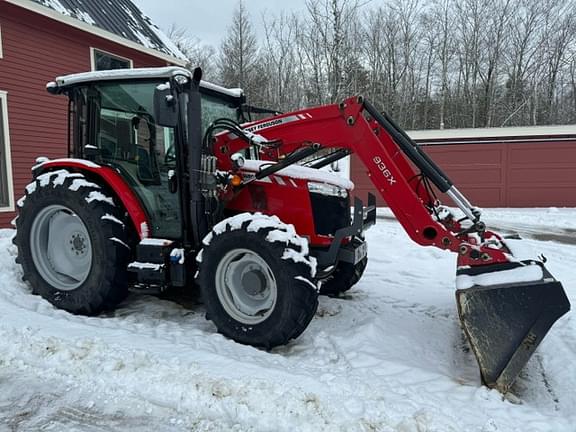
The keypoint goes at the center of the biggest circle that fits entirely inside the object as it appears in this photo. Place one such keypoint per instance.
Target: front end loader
(168, 186)
(506, 305)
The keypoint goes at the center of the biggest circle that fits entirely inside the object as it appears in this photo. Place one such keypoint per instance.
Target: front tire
(344, 277)
(255, 276)
(72, 243)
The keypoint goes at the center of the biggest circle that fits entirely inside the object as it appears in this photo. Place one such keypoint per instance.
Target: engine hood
(301, 172)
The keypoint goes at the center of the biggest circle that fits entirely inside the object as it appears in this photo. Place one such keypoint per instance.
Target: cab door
(129, 139)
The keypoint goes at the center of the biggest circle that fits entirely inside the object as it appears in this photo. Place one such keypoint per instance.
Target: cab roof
(65, 81)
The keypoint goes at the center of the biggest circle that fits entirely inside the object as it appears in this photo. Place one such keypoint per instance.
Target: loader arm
(397, 168)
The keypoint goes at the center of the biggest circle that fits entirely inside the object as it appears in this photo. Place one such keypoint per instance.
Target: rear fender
(109, 177)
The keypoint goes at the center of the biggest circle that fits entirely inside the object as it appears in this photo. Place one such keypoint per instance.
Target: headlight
(327, 189)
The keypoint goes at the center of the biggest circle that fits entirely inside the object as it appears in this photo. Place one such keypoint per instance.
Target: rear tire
(72, 243)
(255, 276)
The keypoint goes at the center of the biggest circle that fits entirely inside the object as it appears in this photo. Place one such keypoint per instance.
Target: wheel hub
(61, 247)
(253, 282)
(78, 243)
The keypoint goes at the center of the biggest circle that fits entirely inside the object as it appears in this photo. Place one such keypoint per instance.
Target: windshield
(214, 108)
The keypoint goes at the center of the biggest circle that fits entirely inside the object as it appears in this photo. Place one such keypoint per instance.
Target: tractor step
(158, 265)
(149, 273)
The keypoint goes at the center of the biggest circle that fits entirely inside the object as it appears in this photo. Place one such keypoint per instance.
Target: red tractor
(167, 185)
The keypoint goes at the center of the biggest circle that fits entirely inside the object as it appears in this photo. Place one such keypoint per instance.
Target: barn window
(6, 192)
(102, 60)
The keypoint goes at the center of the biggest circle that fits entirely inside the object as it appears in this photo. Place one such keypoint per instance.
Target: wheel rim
(246, 286)
(61, 247)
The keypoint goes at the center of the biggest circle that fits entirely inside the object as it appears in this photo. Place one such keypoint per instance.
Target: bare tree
(440, 39)
(521, 60)
(429, 63)
(238, 59)
(279, 55)
(197, 53)
(328, 38)
(559, 34)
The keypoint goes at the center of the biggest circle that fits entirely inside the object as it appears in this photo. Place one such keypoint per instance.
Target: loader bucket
(506, 321)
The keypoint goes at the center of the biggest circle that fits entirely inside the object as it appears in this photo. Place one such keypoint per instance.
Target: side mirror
(197, 75)
(165, 106)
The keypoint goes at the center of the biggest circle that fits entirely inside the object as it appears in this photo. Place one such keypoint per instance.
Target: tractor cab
(113, 123)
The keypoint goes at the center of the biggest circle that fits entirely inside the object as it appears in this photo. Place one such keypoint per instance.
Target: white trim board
(493, 132)
(57, 16)
(4, 120)
(1, 47)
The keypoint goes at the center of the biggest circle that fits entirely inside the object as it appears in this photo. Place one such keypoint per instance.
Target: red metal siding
(529, 174)
(543, 174)
(36, 50)
(478, 170)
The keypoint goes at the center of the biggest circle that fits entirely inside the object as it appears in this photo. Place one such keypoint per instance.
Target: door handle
(172, 181)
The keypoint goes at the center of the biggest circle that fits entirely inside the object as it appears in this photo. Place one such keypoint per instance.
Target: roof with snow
(120, 17)
(500, 134)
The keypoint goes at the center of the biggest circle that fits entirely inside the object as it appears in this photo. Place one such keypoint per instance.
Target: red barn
(42, 39)
(500, 167)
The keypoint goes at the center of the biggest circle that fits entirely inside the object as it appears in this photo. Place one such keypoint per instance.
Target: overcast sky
(209, 19)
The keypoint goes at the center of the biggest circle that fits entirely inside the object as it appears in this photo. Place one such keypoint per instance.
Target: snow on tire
(255, 275)
(72, 243)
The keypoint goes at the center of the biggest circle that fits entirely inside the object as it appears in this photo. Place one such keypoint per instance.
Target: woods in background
(429, 63)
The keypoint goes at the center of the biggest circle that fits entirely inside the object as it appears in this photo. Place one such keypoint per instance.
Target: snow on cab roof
(140, 73)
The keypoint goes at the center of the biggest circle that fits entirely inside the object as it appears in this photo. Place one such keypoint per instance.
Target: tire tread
(112, 288)
(303, 299)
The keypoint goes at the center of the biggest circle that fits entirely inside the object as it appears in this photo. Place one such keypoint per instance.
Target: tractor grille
(330, 213)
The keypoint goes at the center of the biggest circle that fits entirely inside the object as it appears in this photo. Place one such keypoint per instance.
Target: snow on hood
(301, 172)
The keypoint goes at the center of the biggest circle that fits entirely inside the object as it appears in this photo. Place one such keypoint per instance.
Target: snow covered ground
(388, 357)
